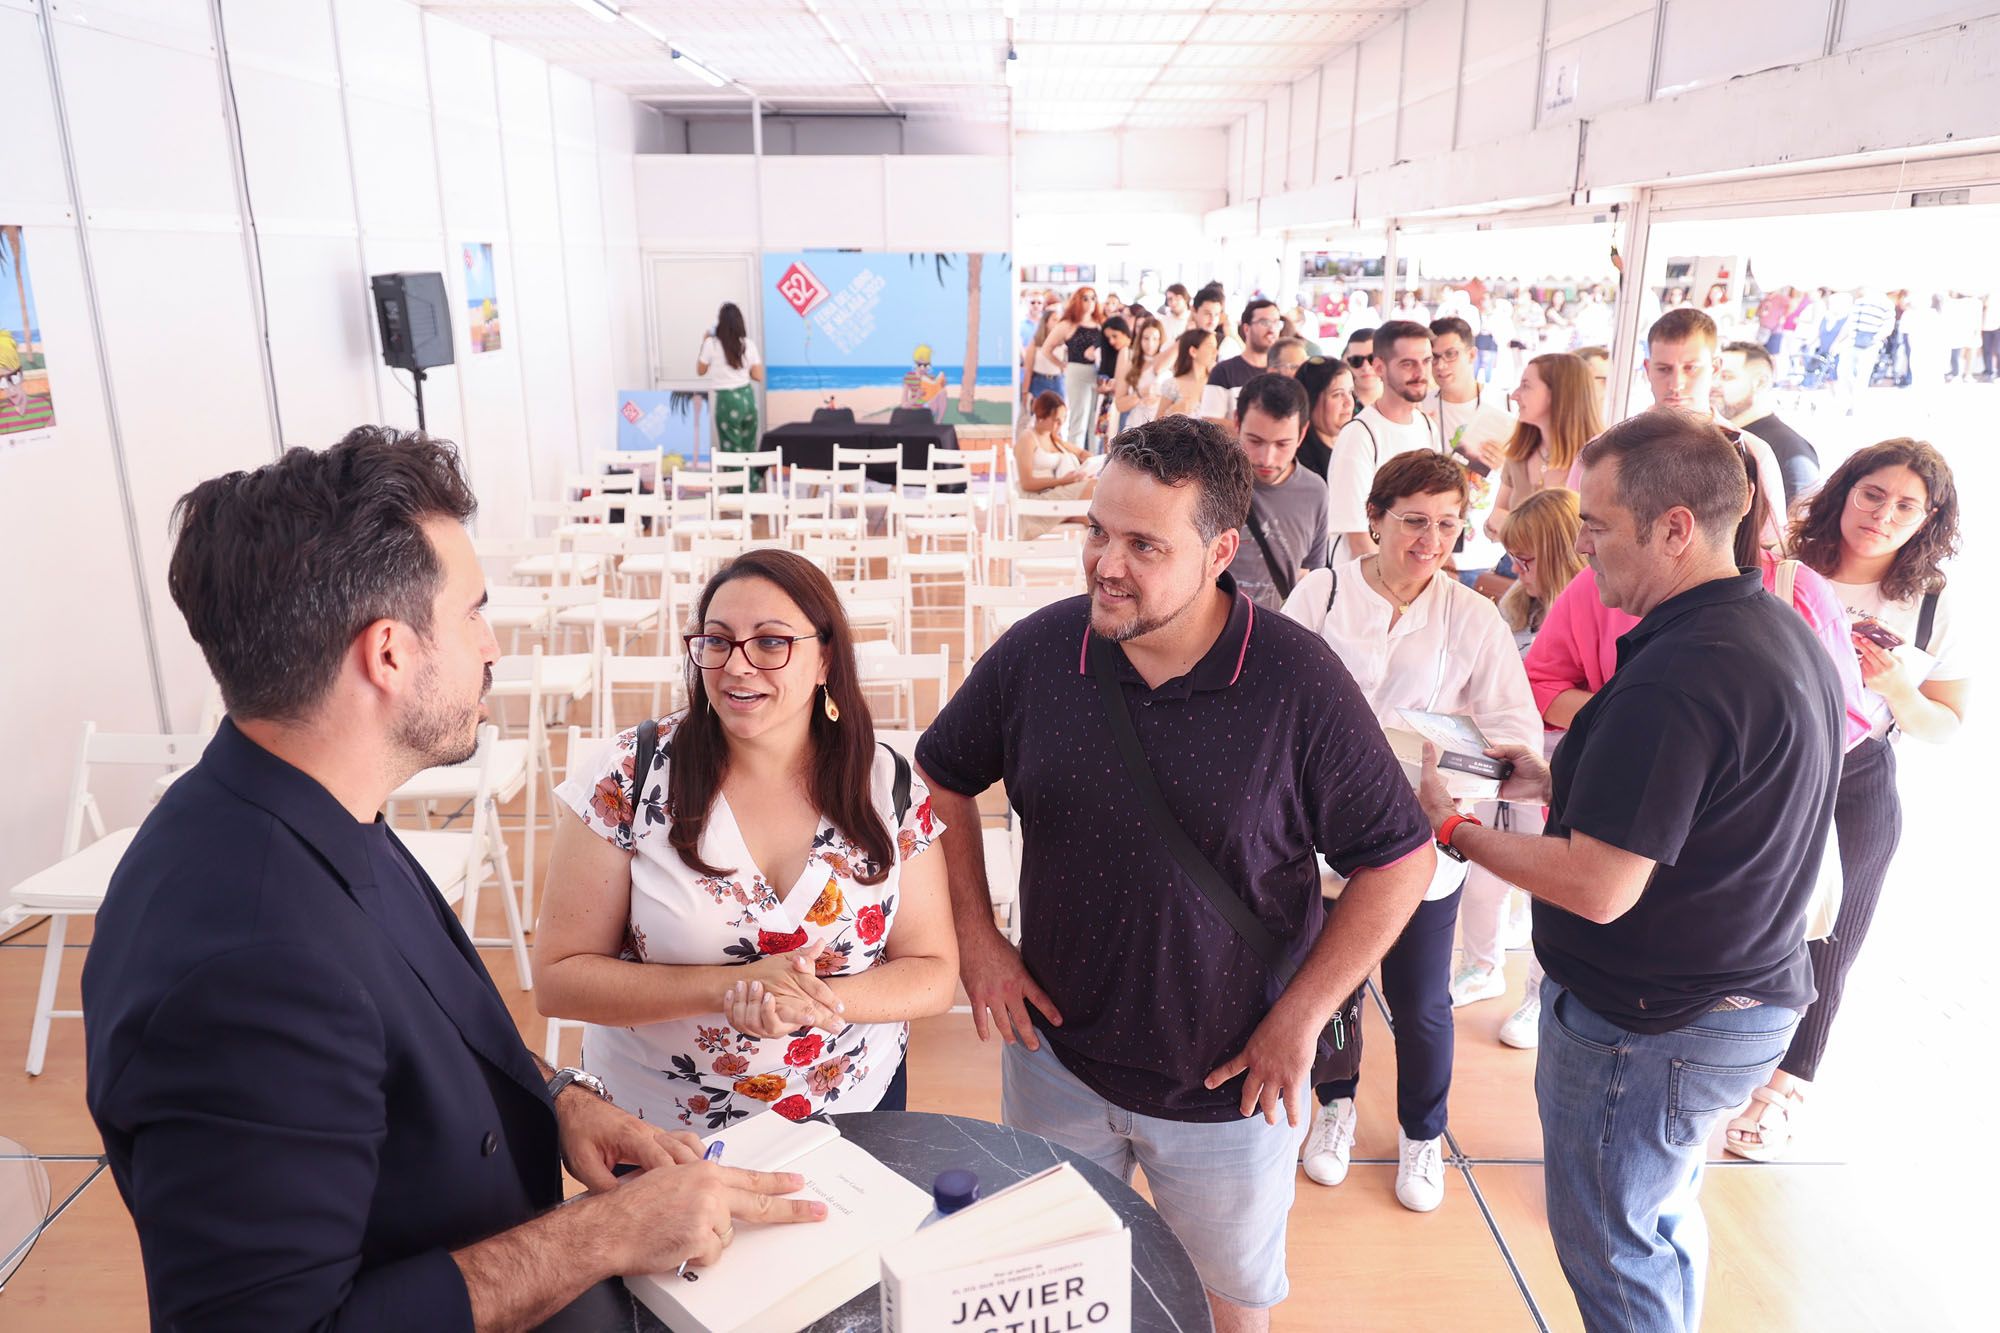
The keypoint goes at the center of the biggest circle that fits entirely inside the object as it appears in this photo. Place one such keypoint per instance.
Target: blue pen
(714, 1154)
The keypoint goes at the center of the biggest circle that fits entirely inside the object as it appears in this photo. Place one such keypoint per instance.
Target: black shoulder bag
(1339, 1054)
(1281, 573)
(649, 744)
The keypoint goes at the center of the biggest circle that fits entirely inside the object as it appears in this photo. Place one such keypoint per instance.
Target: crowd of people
(1692, 653)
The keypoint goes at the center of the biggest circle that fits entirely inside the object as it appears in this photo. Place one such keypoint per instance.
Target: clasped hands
(781, 994)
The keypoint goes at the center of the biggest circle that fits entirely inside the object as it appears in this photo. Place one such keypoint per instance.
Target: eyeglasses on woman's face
(1872, 500)
(765, 652)
(1416, 525)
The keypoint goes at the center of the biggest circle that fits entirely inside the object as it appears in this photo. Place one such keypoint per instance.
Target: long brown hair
(1184, 349)
(843, 752)
(1574, 417)
(730, 333)
(1545, 525)
(1816, 530)
(1750, 532)
(1139, 359)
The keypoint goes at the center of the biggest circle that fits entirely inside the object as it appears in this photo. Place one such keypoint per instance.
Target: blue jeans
(1625, 1124)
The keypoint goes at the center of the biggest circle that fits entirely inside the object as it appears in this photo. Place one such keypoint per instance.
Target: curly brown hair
(1915, 570)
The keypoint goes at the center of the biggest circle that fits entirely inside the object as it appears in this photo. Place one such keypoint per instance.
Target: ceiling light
(601, 10)
(699, 70)
(646, 28)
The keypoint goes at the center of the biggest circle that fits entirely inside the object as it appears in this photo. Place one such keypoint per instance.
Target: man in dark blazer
(312, 1098)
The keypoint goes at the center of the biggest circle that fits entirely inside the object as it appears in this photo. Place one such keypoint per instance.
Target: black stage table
(807, 445)
(1166, 1292)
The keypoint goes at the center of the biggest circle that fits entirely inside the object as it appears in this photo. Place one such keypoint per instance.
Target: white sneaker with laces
(1330, 1144)
(1523, 1028)
(1475, 983)
(1419, 1173)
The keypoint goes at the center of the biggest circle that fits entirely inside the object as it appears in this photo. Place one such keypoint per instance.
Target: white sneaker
(1476, 983)
(1331, 1142)
(1420, 1173)
(1523, 1028)
(1517, 928)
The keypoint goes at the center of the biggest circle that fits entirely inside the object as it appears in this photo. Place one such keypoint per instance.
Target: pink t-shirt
(1577, 647)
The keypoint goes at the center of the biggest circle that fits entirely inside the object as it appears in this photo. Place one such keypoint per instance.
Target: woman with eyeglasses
(1879, 529)
(1413, 636)
(756, 929)
(1195, 353)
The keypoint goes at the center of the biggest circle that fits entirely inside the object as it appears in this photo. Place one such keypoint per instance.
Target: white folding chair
(1026, 506)
(75, 885)
(666, 676)
(1051, 559)
(686, 518)
(543, 680)
(991, 609)
(626, 616)
(734, 474)
(459, 862)
(899, 674)
(867, 494)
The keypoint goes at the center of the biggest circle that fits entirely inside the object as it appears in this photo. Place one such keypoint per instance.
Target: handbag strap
(1787, 575)
(1153, 802)
(642, 766)
(1280, 574)
(1926, 621)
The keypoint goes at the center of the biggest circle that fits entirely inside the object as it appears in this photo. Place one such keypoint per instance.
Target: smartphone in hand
(1876, 633)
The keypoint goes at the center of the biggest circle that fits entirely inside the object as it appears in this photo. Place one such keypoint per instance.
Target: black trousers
(1868, 820)
(1416, 984)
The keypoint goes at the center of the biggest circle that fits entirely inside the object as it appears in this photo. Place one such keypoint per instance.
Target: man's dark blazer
(309, 1090)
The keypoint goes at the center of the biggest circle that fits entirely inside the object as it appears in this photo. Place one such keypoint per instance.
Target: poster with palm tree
(27, 409)
(881, 332)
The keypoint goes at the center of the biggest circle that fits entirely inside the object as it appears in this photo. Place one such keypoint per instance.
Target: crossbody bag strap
(1280, 574)
(642, 767)
(1926, 621)
(1153, 802)
(1787, 576)
(900, 791)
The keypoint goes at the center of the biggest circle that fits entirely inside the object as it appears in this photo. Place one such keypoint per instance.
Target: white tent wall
(374, 138)
(1473, 103)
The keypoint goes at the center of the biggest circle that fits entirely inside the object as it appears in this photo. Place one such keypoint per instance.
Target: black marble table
(1166, 1293)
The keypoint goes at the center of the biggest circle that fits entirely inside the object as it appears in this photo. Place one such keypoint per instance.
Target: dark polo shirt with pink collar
(1269, 757)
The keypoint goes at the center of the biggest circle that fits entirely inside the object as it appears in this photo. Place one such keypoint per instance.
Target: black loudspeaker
(415, 319)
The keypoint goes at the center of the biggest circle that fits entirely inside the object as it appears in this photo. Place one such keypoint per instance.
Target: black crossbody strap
(1280, 574)
(900, 791)
(642, 767)
(1926, 621)
(1153, 802)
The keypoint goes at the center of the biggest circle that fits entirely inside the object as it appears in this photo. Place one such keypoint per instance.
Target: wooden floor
(1881, 1221)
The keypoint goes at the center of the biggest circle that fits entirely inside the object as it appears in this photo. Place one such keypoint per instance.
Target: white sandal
(1773, 1136)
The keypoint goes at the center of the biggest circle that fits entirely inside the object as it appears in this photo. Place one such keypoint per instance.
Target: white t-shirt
(721, 374)
(1449, 653)
(699, 1073)
(1469, 425)
(1363, 445)
(1952, 662)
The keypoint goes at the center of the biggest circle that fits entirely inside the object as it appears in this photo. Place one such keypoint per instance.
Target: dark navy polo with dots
(1269, 757)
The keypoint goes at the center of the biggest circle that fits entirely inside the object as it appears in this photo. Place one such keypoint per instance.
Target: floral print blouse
(699, 1073)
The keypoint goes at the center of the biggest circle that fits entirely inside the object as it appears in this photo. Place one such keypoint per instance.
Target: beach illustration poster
(482, 297)
(876, 331)
(27, 409)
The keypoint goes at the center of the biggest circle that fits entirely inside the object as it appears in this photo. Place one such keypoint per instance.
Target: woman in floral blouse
(758, 933)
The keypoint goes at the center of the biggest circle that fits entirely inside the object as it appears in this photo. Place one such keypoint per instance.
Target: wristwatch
(589, 1082)
(1446, 829)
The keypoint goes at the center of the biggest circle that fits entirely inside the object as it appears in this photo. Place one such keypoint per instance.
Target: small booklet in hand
(780, 1278)
(1470, 774)
(1047, 1253)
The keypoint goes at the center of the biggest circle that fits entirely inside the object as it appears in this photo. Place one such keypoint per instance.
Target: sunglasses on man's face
(1358, 359)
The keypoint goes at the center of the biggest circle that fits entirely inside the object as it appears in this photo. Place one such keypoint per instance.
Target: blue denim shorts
(1225, 1188)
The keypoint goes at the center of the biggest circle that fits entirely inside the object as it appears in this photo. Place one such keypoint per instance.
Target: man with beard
(1147, 1015)
(1391, 425)
(312, 1098)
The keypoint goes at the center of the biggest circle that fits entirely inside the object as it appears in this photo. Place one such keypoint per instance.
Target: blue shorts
(1225, 1188)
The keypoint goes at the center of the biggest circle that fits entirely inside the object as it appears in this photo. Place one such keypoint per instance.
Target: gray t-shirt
(1293, 515)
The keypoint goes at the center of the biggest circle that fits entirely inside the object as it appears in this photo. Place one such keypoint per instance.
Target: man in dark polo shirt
(1157, 1036)
(1689, 806)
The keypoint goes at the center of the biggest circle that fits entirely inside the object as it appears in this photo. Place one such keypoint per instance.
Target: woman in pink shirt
(1577, 649)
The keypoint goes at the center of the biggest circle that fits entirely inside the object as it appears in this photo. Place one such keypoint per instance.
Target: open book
(1046, 1253)
(777, 1279)
(1470, 774)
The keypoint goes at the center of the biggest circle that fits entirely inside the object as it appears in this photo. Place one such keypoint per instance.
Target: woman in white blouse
(1879, 528)
(729, 360)
(1413, 636)
(758, 929)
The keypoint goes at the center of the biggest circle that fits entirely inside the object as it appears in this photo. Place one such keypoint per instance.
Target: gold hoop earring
(826, 702)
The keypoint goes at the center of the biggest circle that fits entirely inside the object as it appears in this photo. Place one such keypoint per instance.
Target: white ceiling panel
(1106, 63)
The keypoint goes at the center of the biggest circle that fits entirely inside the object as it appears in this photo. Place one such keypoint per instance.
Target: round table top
(1166, 1292)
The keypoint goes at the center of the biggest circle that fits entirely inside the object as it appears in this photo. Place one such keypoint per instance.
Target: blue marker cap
(954, 1189)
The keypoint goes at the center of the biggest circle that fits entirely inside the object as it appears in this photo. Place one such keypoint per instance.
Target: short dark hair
(1683, 325)
(1253, 305)
(1178, 449)
(1205, 295)
(1753, 355)
(1391, 332)
(278, 569)
(1417, 472)
(1668, 458)
(1361, 336)
(1276, 396)
(1452, 324)
(1177, 289)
